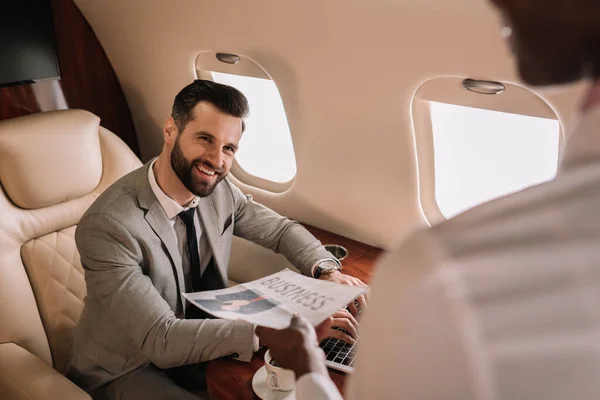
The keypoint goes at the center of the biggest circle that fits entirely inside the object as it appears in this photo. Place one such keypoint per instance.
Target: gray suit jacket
(133, 312)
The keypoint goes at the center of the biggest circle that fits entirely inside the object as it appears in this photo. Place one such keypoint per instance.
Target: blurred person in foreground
(501, 302)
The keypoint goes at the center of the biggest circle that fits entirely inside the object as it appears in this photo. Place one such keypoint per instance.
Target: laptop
(339, 354)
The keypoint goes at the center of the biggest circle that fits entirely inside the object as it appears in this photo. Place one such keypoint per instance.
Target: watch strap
(320, 271)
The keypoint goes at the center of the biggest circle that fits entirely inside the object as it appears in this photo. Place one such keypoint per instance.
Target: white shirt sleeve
(316, 387)
(412, 344)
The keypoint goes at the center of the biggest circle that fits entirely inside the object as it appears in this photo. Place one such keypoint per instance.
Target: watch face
(328, 267)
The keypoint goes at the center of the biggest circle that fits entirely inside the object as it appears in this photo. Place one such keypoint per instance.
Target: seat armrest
(24, 376)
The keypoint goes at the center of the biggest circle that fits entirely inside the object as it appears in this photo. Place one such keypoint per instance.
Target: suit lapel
(158, 221)
(210, 226)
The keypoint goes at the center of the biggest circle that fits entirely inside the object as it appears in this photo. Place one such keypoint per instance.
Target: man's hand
(338, 277)
(296, 347)
(341, 319)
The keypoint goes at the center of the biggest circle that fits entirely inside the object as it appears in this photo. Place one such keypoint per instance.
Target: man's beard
(184, 171)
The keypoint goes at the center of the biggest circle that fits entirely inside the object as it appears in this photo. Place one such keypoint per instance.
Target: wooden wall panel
(88, 80)
(16, 101)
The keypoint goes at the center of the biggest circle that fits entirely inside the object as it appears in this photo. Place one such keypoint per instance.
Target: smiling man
(165, 229)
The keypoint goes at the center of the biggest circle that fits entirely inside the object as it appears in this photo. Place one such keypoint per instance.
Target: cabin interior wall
(88, 80)
(347, 71)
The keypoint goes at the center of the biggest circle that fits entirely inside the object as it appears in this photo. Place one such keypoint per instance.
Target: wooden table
(230, 379)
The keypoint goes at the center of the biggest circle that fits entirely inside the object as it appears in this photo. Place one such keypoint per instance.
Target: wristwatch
(326, 267)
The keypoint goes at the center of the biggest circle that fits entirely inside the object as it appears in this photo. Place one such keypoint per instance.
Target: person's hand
(338, 277)
(341, 319)
(295, 347)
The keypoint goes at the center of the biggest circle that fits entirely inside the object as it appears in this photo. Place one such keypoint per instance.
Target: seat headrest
(50, 157)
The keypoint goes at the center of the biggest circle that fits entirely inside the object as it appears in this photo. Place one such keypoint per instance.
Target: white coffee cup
(278, 378)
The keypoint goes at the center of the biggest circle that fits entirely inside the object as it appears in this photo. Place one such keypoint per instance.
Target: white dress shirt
(173, 209)
(499, 303)
(316, 387)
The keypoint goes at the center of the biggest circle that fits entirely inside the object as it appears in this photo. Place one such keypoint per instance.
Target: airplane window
(480, 155)
(266, 149)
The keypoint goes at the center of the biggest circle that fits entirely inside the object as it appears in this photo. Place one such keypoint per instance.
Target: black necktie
(192, 244)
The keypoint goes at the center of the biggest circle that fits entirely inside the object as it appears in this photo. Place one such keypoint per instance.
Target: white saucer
(260, 388)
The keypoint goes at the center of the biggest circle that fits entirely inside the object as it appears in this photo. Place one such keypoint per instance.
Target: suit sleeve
(265, 227)
(413, 343)
(112, 260)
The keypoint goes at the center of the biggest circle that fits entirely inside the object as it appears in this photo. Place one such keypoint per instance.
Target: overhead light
(483, 87)
(228, 58)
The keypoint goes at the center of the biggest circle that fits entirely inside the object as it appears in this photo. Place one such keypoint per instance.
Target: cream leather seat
(52, 167)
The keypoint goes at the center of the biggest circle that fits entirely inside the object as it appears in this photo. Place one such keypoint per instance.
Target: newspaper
(273, 300)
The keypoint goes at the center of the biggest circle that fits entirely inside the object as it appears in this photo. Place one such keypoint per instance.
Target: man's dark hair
(226, 98)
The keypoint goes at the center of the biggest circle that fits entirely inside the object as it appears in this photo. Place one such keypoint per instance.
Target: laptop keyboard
(339, 354)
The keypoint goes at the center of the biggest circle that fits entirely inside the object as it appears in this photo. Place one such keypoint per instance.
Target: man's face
(203, 152)
(553, 40)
